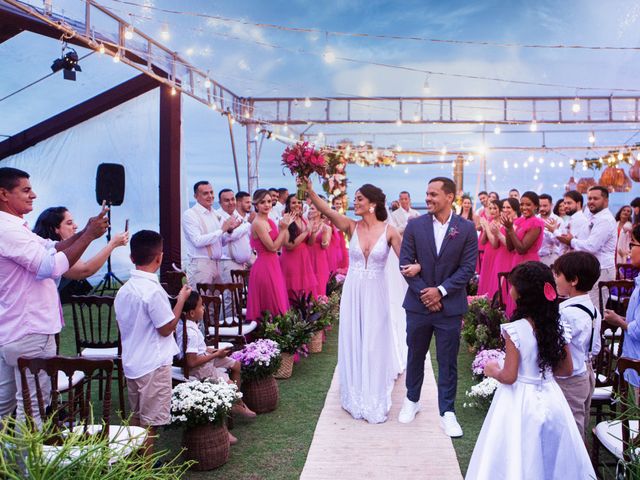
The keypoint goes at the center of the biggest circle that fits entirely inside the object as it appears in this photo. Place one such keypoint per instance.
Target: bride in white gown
(368, 357)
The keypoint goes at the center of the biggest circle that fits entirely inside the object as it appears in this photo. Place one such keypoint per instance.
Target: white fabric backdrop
(63, 171)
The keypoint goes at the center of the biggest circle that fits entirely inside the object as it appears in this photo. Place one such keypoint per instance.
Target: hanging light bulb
(164, 32)
(620, 156)
(443, 150)
(101, 49)
(207, 83)
(416, 117)
(285, 128)
(592, 138)
(399, 122)
(173, 90)
(572, 162)
(213, 106)
(525, 164)
(560, 164)
(535, 177)
(497, 130)
(116, 57)
(329, 56)
(128, 32)
(541, 160)
(533, 126)
(575, 108)
(426, 88)
(552, 164)
(493, 178)
(531, 159)
(307, 102)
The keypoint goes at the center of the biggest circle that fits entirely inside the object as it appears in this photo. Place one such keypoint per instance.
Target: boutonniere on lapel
(453, 232)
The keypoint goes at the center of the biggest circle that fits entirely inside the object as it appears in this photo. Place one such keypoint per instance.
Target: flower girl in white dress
(529, 432)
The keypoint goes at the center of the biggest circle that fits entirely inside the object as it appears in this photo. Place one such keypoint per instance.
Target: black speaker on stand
(110, 190)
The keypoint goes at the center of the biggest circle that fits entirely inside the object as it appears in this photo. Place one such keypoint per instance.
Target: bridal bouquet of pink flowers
(302, 160)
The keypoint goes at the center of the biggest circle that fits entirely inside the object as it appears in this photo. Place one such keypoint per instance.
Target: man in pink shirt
(30, 312)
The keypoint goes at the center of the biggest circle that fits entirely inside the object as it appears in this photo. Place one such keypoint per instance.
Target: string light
(285, 128)
(553, 164)
(525, 164)
(535, 177)
(515, 165)
(399, 122)
(592, 138)
(329, 56)
(572, 162)
(101, 49)
(116, 57)
(620, 156)
(497, 130)
(443, 150)
(541, 160)
(307, 102)
(207, 83)
(560, 164)
(575, 108)
(214, 107)
(493, 178)
(533, 126)
(416, 117)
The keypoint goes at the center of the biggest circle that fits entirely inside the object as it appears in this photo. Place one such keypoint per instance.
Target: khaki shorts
(150, 397)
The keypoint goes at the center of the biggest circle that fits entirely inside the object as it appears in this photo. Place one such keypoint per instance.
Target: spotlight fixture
(68, 63)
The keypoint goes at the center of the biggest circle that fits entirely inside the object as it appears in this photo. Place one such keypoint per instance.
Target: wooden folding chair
(233, 327)
(620, 436)
(97, 335)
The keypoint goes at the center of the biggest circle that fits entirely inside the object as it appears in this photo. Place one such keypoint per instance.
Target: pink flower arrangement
(483, 357)
(302, 159)
(471, 298)
(340, 277)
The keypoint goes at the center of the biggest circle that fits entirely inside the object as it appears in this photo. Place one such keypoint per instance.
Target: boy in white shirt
(575, 274)
(203, 361)
(146, 322)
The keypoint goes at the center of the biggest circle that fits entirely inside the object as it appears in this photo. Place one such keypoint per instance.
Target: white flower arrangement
(200, 403)
(482, 393)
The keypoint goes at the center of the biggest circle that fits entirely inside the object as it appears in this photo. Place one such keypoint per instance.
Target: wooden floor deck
(346, 448)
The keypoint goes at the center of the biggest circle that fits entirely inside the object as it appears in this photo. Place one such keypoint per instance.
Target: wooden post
(170, 207)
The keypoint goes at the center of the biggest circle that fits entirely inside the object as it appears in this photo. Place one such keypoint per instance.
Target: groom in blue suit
(446, 246)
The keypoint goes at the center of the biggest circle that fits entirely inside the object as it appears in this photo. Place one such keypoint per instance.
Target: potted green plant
(291, 333)
(481, 325)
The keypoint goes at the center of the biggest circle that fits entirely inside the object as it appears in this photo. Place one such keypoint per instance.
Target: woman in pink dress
(334, 253)
(524, 235)
(488, 281)
(295, 259)
(267, 289)
(504, 257)
(319, 244)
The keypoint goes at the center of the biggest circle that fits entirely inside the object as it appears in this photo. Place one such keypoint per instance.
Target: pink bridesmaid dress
(320, 262)
(522, 225)
(343, 264)
(503, 263)
(481, 247)
(334, 252)
(267, 290)
(488, 281)
(297, 270)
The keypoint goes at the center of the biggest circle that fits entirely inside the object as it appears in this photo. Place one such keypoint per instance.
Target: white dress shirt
(278, 211)
(400, 217)
(141, 307)
(237, 245)
(439, 231)
(579, 325)
(601, 240)
(203, 233)
(195, 339)
(578, 226)
(549, 242)
(29, 264)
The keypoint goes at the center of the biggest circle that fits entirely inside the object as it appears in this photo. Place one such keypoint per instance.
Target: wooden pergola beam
(8, 31)
(169, 187)
(75, 115)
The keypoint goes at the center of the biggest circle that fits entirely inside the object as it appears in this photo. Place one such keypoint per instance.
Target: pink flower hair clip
(550, 292)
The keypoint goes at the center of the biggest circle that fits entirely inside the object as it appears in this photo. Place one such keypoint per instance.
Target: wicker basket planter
(208, 445)
(262, 395)
(286, 367)
(315, 345)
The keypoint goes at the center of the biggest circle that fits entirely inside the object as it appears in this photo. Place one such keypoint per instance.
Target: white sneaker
(450, 425)
(408, 412)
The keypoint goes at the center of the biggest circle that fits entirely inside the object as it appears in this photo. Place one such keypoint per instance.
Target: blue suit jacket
(452, 268)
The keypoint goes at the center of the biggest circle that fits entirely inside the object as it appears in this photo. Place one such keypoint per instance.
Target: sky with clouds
(254, 61)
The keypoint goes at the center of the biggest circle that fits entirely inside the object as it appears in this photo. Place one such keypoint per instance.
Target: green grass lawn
(274, 445)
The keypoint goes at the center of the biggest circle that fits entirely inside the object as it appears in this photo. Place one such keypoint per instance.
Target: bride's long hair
(377, 196)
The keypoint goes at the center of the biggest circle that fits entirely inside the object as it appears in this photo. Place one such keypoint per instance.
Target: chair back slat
(212, 305)
(94, 322)
(242, 276)
(230, 308)
(611, 347)
(626, 271)
(51, 366)
(615, 291)
(182, 362)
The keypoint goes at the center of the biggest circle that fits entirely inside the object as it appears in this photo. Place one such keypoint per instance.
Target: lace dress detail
(368, 362)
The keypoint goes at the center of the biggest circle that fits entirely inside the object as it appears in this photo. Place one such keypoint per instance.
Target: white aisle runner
(346, 448)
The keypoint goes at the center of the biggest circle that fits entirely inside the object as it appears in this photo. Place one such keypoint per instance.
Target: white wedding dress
(368, 360)
(397, 290)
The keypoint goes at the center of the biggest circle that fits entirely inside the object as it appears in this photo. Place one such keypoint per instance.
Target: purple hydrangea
(483, 357)
(261, 352)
